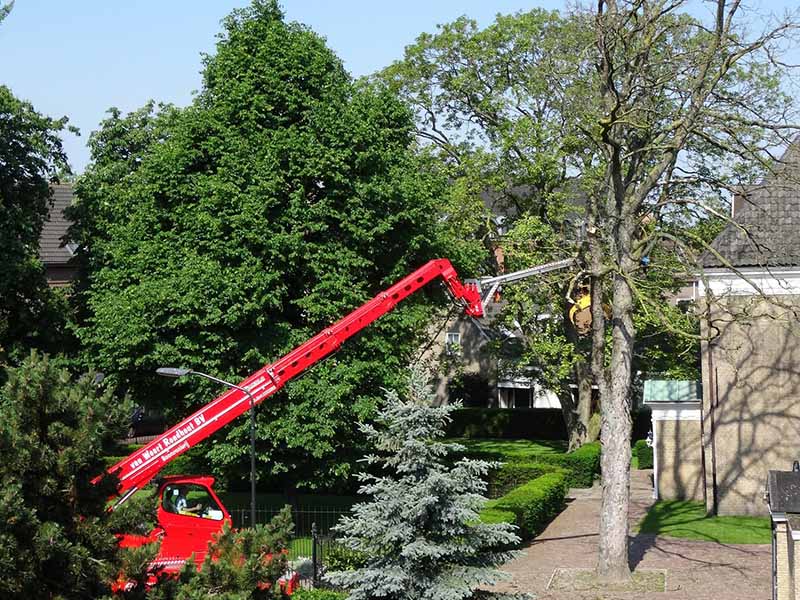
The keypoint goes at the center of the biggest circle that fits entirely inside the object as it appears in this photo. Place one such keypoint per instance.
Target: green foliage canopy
(31, 315)
(513, 109)
(221, 235)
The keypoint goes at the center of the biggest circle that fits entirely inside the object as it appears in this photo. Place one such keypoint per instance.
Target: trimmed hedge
(514, 474)
(582, 464)
(644, 454)
(508, 423)
(530, 506)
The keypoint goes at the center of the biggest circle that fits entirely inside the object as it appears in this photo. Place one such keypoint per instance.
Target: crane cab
(189, 514)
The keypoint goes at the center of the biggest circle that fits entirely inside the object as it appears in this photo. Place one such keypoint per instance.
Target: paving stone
(696, 570)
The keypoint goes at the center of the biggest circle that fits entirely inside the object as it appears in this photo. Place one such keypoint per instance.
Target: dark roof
(783, 488)
(766, 231)
(52, 250)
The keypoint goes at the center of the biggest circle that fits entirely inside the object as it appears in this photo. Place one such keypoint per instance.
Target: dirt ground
(696, 570)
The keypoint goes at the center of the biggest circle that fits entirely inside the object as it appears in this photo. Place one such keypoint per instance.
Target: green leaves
(31, 315)
(222, 235)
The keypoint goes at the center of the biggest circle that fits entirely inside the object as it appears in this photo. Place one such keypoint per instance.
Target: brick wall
(785, 563)
(751, 400)
(680, 474)
(472, 358)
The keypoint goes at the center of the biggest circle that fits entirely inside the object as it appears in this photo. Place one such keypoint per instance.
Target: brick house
(749, 417)
(54, 253)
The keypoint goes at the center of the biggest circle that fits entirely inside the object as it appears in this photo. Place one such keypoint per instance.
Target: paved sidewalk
(695, 570)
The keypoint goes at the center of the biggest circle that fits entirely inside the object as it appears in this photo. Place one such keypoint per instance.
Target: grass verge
(688, 520)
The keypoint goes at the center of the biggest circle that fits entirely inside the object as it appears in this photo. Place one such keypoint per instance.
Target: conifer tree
(54, 536)
(420, 530)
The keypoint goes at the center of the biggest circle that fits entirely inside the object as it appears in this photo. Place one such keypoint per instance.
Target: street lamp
(176, 373)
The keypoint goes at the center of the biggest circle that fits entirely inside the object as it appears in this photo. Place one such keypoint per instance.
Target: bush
(531, 506)
(582, 464)
(318, 595)
(54, 534)
(342, 558)
(514, 474)
(509, 423)
(644, 454)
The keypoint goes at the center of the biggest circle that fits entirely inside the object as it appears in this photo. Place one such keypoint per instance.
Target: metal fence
(313, 537)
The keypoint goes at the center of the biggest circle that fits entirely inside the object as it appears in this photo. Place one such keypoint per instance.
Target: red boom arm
(143, 464)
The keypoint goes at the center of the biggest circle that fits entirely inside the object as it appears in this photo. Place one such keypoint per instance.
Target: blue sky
(80, 58)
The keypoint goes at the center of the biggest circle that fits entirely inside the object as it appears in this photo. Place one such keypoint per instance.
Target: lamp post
(176, 373)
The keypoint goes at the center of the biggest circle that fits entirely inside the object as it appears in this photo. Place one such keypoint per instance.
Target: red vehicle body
(185, 529)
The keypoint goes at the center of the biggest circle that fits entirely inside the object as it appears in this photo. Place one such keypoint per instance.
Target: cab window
(190, 500)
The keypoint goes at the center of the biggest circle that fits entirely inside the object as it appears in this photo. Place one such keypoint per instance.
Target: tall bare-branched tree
(653, 112)
(689, 109)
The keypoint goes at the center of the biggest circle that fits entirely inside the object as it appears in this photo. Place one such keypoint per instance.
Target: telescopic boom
(142, 465)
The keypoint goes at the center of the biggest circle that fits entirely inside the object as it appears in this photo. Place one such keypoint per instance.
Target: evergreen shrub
(420, 531)
(531, 506)
(644, 453)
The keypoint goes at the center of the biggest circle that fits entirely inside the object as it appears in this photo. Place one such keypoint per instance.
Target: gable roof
(767, 229)
(52, 250)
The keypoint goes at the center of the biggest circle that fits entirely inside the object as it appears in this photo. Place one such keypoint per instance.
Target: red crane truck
(189, 511)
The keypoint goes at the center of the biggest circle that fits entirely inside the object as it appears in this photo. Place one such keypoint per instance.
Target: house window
(685, 305)
(513, 397)
(522, 398)
(453, 344)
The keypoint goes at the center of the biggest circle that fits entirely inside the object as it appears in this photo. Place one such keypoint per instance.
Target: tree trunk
(583, 376)
(615, 435)
(577, 414)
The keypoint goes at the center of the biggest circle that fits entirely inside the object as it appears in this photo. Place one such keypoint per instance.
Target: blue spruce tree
(420, 530)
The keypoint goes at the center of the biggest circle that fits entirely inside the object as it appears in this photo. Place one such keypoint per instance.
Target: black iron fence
(313, 540)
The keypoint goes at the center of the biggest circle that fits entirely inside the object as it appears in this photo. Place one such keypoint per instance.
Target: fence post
(314, 554)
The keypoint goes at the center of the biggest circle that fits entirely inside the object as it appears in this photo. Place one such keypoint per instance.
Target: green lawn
(688, 520)
(517, 450)
(300, 546)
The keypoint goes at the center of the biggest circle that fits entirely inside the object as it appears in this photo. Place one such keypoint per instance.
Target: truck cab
(189, 514)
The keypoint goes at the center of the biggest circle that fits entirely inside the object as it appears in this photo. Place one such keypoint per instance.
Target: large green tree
(31, 155)
(221, 235)
(491, 104)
